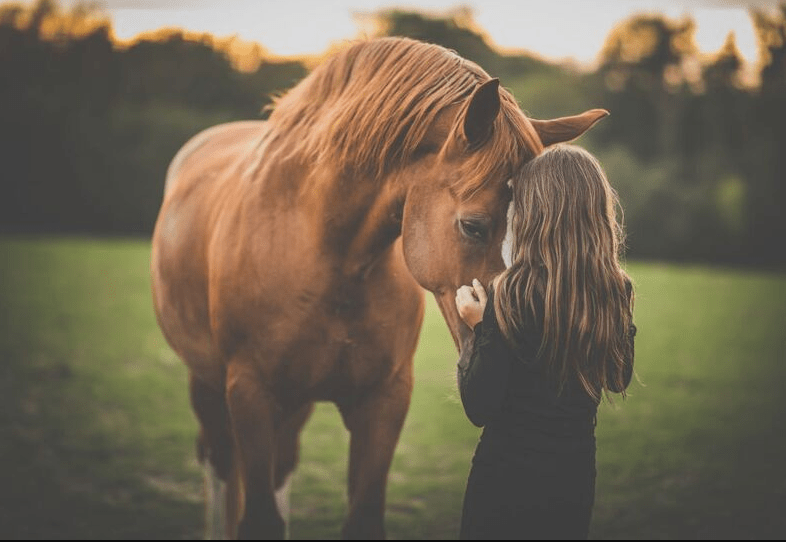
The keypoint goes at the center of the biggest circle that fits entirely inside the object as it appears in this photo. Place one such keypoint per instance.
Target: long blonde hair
(566, 279)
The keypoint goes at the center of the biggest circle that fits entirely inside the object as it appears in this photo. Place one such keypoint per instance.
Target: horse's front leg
(374, 424)
(251, 410)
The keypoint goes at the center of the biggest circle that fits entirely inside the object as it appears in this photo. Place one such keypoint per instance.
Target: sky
(557, 30)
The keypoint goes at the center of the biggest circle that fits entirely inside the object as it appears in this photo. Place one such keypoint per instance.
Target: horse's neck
(379, 224)
(357, 217)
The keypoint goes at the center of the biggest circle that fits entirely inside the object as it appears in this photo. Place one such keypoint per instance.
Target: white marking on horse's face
(507, 242)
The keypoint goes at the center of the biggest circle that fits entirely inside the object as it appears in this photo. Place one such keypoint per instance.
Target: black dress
(533, 472)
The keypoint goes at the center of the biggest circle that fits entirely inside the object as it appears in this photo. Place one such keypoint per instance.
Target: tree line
(697, 154)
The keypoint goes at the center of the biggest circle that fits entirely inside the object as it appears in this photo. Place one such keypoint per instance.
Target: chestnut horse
(290, 255)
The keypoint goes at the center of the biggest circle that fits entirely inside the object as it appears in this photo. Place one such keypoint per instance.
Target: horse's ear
(566, 128)
(482, 110)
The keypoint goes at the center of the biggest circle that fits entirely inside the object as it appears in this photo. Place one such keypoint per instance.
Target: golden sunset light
(572, 30)
(415, 270)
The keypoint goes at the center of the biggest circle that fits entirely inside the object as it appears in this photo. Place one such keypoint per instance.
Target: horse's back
(221, 139)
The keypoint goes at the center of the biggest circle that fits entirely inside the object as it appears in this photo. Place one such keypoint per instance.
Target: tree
(643, 64)
(767, 159)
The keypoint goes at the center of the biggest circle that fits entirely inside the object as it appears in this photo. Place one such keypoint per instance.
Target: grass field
(97, 437)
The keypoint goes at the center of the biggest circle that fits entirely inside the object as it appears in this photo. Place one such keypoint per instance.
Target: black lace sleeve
(484, 369)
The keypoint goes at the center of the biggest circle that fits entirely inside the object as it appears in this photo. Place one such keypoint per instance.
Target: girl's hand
(471, 302)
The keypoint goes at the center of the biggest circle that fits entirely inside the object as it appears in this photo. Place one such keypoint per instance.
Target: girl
(552, 336)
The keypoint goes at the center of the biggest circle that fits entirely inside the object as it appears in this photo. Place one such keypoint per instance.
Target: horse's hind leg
(214, 450)
(251, 410)
(287, 456)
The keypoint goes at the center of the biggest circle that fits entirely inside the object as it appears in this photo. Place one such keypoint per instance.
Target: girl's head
(565, 276)
(564, 210)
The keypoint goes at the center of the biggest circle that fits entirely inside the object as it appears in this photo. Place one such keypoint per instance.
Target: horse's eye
(474, 229)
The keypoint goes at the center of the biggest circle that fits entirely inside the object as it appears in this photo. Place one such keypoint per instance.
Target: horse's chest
(331, 360)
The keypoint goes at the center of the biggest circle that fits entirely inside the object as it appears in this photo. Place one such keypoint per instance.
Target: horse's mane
(368, 108)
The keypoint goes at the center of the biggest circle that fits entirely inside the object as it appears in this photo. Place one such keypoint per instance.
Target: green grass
(97, 436)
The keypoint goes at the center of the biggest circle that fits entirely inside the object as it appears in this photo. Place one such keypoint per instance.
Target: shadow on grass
(63, 480)
(729, 493)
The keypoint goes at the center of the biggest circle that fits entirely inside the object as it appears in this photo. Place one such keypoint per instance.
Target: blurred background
(96, 431)
(95, 99)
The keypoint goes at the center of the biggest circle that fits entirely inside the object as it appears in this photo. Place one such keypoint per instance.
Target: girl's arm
(483, 370)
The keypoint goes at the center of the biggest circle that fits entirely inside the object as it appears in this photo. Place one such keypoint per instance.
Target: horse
(291, 257)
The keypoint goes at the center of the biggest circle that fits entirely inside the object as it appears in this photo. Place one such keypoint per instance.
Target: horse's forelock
(513, 143)
(370, 106)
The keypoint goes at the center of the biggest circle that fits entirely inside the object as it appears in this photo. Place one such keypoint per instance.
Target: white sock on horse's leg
(215, 505)
(282, 502)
